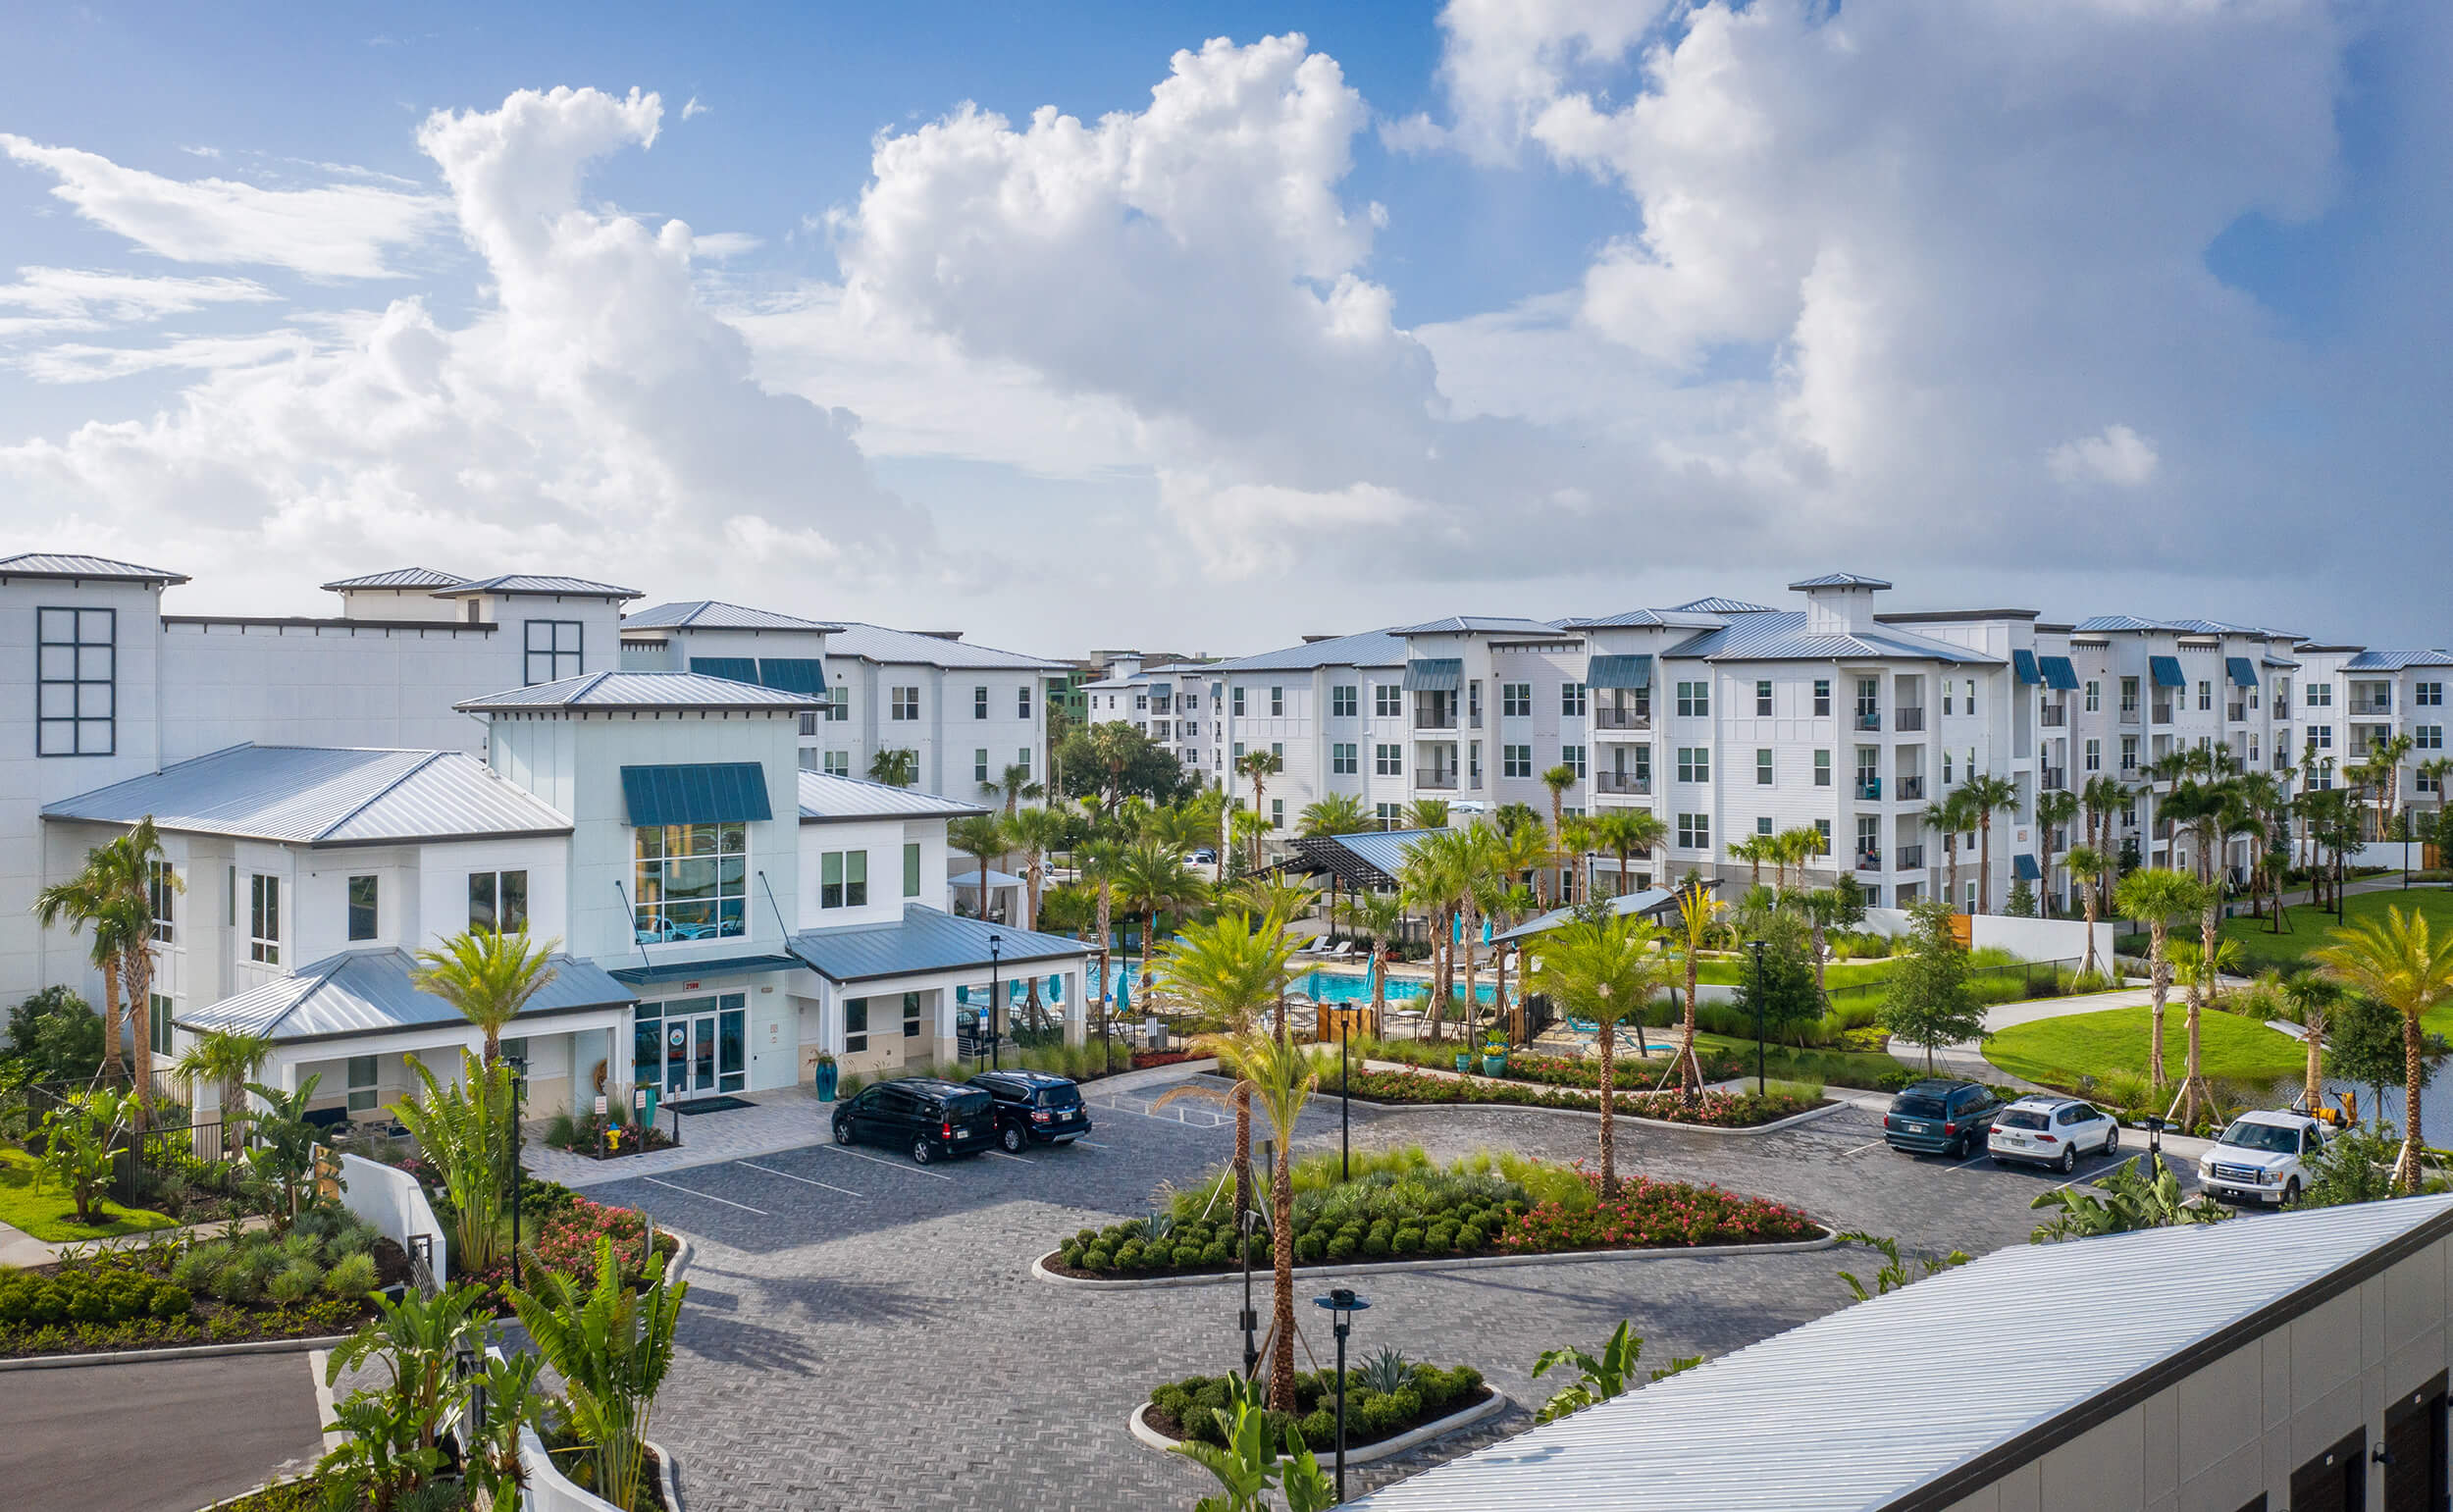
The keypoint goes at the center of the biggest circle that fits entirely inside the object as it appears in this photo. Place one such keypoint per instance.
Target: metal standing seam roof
(1635, 619)
(2165, 672)
(1837, 580)
(56, 564)
(2024, 663)
(1610, 673)
(1434, 674)
(2243, 671)
(1651, 900)
(733, 669)
(2058, 674)
(1780, 635)
(826, 797)
(365, 993)
(1369, 649)
(1482, 624)
(925, 940)
(1713, 605)
(1790, 1425)
(696, 793)
(716, 614)
(638, 690)
(311, 795)
(1381, 849)
(536, 583)
(876, 643)
(2396, 661)
(399, 577)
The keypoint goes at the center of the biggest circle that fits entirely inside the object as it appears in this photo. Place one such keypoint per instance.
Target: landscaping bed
(1713, 1110)
(1386, 1396)
(560, 1231)
(48, 1213)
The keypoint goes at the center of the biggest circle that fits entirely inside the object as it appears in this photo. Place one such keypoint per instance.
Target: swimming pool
(1324, 986)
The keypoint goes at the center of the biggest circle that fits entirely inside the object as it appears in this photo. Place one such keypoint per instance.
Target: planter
(1489, 1406)
(826, 1074)
(1495, 1066)
(1042, 1270)
(1464, 1062)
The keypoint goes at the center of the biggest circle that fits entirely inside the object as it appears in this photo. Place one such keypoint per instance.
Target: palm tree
(1230, 970)
(2310, 1000)
(1984, 794)
(2203, 972)
(1475, 866)
(1754, 851)
(1427, 813)
(2054, 809)
(1335, 814)
(1558, 779)
(487, 975)
(895, 768)
(2102, 798)
(2401, 962)
(1015, 784)
(2158, 895)
(1577, 836)
(1259, 765)
(1431, 878)
(1155, 878)
(1036, 833)
(1605, 970)
(1948, 817)
(92, 900)
(2087, 866)
(1696, 910)
(1246, 830)
(226, 1059)
(979, 836)
(1626, 833)
(1100, 860)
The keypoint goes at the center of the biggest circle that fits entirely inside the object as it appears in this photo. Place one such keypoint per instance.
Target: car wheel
(2291, 1191)
(843, 1132)
(921, 1154)
(1014, 1139)
(2069, 1159)
(2111, 1141)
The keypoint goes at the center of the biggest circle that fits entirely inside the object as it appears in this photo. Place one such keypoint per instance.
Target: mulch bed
(1357, 1437)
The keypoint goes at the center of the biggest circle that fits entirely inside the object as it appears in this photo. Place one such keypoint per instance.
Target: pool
(1324, 986)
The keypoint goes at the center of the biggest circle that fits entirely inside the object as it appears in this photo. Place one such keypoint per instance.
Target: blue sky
(2092, 307)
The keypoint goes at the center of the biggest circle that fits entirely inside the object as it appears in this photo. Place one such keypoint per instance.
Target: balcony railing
(2236, 713)
(1606, 717)
(1912, 857)
(1870, 719)
(1870, 791)
(1443, 781)
(1912, 787)
(1906, 719)
(1870, 861)
(2162, 713)
(2366, 709)
(1424, 719)
(2054, 716)
(1622, 782)
(2054, 778)
(2129, 715)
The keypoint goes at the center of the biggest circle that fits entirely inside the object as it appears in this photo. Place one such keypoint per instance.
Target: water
(1326, 986)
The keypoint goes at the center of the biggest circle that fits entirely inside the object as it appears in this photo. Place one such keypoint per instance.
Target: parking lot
(865, 1333)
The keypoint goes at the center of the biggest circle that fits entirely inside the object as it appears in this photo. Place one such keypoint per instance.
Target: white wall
(393, 1202)
(2028, 939)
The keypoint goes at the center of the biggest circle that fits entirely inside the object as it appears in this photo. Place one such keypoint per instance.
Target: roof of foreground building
(373, 992)
(323, 796)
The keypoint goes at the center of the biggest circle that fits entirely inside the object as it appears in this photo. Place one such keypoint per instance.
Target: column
(1077, 1006)
(944, 1052)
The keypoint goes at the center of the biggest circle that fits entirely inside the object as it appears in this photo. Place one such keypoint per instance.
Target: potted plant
(1494, 1056)
(1464, 1060)
(822, 1071)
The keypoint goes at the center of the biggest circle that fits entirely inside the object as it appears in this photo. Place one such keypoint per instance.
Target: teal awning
(2026, 868)
(1437, 675)
(2059, 674)
(2165, 671)
(806, 675)
(2025, 664)
(1619, 673)
(2243, 672)
(734, 669)
(705, 792)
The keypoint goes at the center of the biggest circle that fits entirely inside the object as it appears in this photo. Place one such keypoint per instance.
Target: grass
(1861, 1068)
(2058, 1051)
(49, 1213)
(2312, 930)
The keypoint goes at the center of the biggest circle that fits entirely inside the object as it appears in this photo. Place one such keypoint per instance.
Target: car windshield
(2022, 1118)
(1919, 1104)
(2263, 1137)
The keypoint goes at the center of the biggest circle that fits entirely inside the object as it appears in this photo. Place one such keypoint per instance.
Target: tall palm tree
(2054, 809)
(1260, 766)
(1696, 910)
(2158, 895)
(1036, 833)
(2384, 778)
(1230, 969)
(1431, 877)
(226, 1059)
(2310, 1000)
(2203, 974)
(1156, 879)
(1626, 833)
(1476, 850)
(1985, 795)
(1604, 969)
(1335, 814)
(2087, 866)
(979, 836)
(1754, 851)
(1427, 813)
(487, 975)
(1577, 836)
(91, 900)
(1014, 784)
(1100, 860)
(2401, 962)
(895, 768)
(1558, 779)
(1948, 817)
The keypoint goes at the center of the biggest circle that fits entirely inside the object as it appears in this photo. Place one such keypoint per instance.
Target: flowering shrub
(565, 1240)
(1719, 1110)
(1649, 1215)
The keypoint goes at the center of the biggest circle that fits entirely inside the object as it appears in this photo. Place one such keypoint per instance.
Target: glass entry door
(693, 1047)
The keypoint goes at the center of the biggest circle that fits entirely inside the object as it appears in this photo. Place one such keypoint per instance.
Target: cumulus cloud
(337, 230)
(2119, 455)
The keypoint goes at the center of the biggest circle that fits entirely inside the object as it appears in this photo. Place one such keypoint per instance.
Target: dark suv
(920, 1113)
(1034, 1107)
(1941, 1117)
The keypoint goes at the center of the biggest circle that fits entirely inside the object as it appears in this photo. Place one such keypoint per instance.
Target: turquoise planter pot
(1464, 1060)
(1495, 1066)
(825, 1075)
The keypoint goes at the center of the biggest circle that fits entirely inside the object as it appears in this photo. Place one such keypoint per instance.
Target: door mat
(710, 1105)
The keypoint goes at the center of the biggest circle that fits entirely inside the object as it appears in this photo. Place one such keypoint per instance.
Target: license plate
(1920, 1129)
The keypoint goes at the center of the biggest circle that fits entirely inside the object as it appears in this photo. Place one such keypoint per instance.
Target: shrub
(295, 1281)
(170, 1302)
(1319, 1428)
(194, 1269)
(1339, 1248)
(352, 1278)
(1215, 1253)
(240, 1282)
(1408, 1240)
(1098, 1258)
(1385, 1412)
(1128, 1255)
(1441, 1238)
(1310, 1247)
(1375, 1243)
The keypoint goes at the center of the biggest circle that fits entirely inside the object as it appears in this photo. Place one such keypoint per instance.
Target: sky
(1208, 327)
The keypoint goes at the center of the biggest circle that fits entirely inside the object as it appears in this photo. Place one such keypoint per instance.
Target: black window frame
(370, 910)
(495, 892)
(79, 726)
(856, 1026)
(552, 652)
(979, 701)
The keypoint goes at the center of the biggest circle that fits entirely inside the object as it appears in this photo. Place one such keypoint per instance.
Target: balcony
(1912, 787)
(2054, 716)
(2052, 778)
(1912, 857)
(2162, 713)
(1629, 783)
(1604, 717)
(2371, 708)
(1905, 720)
(1870, 719)
(1435, 719)
(2236, 713)
(1870, 861)
(2129, 715)
(1437, 781)
(1870, 789)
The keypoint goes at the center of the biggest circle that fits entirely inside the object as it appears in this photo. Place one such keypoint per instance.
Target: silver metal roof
(370, 992)
(1370, 648)
(536, 583)
(1838, 580)
(926, 940)
(1720, 605)
(55, 564)
(1490, 624)
(400, 577)
(715, 614)
(1384, 848)
(1632, 619)
(2098, 623)
(876, 643)
(826, 796)
(1650, 900)
(638, 690)
(315, 795)
(1794, 1424)
(2396, 661)
(1780, 635)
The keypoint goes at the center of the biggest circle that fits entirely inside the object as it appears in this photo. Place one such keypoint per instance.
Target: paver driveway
(865, 1333)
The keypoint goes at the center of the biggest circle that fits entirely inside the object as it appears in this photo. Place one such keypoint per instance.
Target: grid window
(1762, 767)
(76, 674)
(1573, 759)
(1342, 702)
(808, 722)
(1277, 814)
(2320, 695)
(692, 881)
(1389, 815)
(979, 702)
(1572, 700)
(2095, 755)
(1694, 831)
(2095, 696)
(906, 704)
(158, 1010)
(1822, 769)
(1516, 761)
(2427, 737)
(264, 918)
(1695, 699)
(1021, 758)
(843, 879)
(1764, 824)
(1342, 759)
(1762, 696)
(363, 891)
(554, 650)
(838, 704)
(2206, 694)
(2129, 695)
(2427, 695)
(2129, 753)
(1021, 702)
(1389, 760)
(910, 1016)
(979, 762)
(162, 899)
(1388, 700)
(1238, 705)
(1516, 701)
(1694, 763)
(1277, 703)
(498, 900)
(839, 762)
(1822, 696)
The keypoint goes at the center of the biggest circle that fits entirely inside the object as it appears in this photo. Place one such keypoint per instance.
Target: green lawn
(50, 1215)
(2058, 1051)
(2312, 930)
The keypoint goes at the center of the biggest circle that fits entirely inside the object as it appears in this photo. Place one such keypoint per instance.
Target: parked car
(1939, 1116)
(2052, 1131)
(1035, 1108)
(1205, 857)
(927, 1116)
(2262, 1157)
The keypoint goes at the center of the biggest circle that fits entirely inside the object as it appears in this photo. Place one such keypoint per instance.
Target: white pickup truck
(2262, 1157)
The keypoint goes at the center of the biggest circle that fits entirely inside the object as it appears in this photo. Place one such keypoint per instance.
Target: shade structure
(1434, 674)
(733, 669)
(2058, 674)
(1619, 673)
(2243, 671)
(793, 674)
(2165, 671)
(2024, 663)
(696, 793)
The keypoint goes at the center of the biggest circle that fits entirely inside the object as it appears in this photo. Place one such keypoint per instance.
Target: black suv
(920, 1113)
(1034, 1107)
(1941, 1117)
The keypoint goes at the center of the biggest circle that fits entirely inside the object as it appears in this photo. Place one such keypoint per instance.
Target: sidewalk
(21, 1249)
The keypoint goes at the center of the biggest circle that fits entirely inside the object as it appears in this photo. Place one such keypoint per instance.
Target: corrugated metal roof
(715, 614)
(1369, 649)
(400, 577)
(1838, 580)
(1632, 619)
(1480, 624)
(1780, 635)
(1719, 606)
(1434, 674)
(2243, 671)
(1618, 672)
(313, 795)
(536, 583)
(1790, 1425)
(926, 940)
(793, 674)
(876, 643)
(696, 793)
(365, 993)
(2101, 622)
(733, 669)
(2058, 674)
(638, 689)
(2272, 660)
(2165, 672)
(1650, 900)
(826, 796)
(2024, 663)
(56, 564)
(1383, 849)
(2396, 661)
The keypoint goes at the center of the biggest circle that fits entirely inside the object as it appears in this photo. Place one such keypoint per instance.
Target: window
(162, 900)
(1238, 750)
(2129, 753)
(1573, 759)
(1971, 695)
(229, 897)
(855, 1025)
(910, 1016)
(1516, 761)
(1516, 701)
(1389, 760)
(1021, 758)
(554, 650)
(1571, 701)
(1694, 831)
(2095, 755)
(362, 1093)
(264, 918)
(2427, 737)
(1391, 815)
(1695, 699)
(1238, 705)
(838, 704)
(1762, 767)
(2320, 696)
(1343, 703)
(808, 722)
(910, 869)
(906, 705)
(2426, 783)
(979, 702)
(2095, 696)
(1277, 703)
(1762, 696)
(2321, 736)
(979, 762)
(1949, 702)
(1764, 824)
(2206, 694)
(839, 762)
(1472, 702)
(1822, 827)
(1949, 769)
(499, 901)
(1473, 762)
(1388, 700)
(843, 879)
(1643, 765)
(1277, 756)
(1277, 814)
(1694, 763)
(1822, 768)
(2130, 697)
(1822, 696)
(362, 895)
(1021, 702)
(158, 1009)
(1341, 762)
(2427, 695)
(692, 881)
(76, 677)
(2252, 748)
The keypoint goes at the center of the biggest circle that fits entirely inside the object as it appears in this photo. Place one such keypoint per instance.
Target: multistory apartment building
(1167, 699)
(1330, 712)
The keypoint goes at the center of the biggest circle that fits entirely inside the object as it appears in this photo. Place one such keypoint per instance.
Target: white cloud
(721, 244)
(74, 363)
(2119, 456)
(693, 109)
(83, 299)
(334, 230)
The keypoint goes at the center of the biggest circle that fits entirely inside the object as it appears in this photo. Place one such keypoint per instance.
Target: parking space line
(708, 1196)
(1092, 1143)
(918, 1170)
(1871, 1145)
(1016, 1159)
(1978, 1161)
(806, 1180)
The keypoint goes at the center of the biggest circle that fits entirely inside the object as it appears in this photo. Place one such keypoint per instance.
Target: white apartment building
(1170, 701)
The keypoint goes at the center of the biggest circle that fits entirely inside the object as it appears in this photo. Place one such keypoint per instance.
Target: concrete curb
(185, 1352)
(667, 1478)
(1151, 1076)
(1388, 1448)
(1039, 1266)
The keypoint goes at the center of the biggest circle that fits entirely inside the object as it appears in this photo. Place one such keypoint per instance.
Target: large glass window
(498, 900)
(910, 869)
(362, 893)
(692, 881)
(158, 1022)
(162, 894)
(264, 918)
(855, 1025)
(554, 650)
(842, 880)
(362, 1089)
(76, 678)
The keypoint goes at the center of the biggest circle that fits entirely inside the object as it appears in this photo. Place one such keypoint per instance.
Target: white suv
(2262, 1157)
(2052, 1131)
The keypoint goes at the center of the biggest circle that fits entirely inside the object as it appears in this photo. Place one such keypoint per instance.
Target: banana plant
(611, 1346)
(285, 1151)
(1894, 1273)
(1600, 1380)
(1247, 1467)
(77, 1145)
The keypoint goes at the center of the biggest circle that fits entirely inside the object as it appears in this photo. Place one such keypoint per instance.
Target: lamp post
(1345, 1099)
(519, 1086)
(1341, 1304)
(996, 951)
(1758, 947)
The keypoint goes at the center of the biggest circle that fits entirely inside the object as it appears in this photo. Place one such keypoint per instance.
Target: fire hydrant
(613, 1140)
